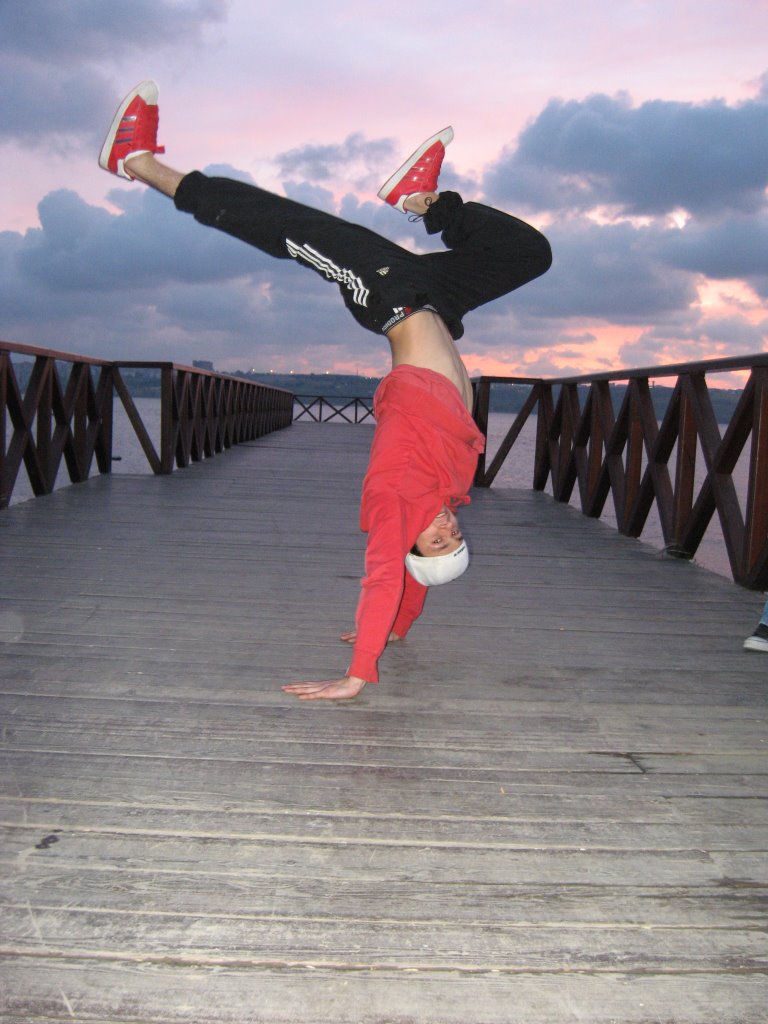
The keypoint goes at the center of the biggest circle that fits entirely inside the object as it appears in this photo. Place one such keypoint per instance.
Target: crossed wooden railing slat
(582, 442)
(202, 414)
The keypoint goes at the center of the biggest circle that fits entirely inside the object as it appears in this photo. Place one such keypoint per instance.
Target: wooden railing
(582, 439)
(320, 409)
(203, 413)
(70, 416)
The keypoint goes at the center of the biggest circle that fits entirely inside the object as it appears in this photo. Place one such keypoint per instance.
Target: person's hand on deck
(327, 689)
(351, 636)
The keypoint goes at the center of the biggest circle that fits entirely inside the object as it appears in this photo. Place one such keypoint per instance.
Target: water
(517, 471)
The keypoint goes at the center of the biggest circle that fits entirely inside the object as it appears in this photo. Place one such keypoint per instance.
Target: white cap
(431, 572)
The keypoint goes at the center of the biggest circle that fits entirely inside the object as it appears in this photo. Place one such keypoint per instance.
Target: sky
(634, 133)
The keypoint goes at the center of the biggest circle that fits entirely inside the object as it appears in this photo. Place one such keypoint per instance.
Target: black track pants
(489, 253)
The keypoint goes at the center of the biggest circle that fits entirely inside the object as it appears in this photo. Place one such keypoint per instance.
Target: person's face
(441, 537)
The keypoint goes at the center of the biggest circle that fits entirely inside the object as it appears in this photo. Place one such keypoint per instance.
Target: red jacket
(423, 456)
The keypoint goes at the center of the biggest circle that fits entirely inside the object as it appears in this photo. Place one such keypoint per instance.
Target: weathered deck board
(554, 808)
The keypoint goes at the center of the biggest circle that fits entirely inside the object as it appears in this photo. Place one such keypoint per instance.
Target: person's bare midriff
(423, 340)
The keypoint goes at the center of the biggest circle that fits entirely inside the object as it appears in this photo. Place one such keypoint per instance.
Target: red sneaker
(133, 130)
(419, 173)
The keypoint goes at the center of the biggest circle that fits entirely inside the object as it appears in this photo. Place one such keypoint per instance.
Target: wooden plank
(44, 817)
(112, 739)
(233, 994)
(362, 896)
(187, 940)
(397, 860)
(553, 809)
(363, 787)
(230, 680)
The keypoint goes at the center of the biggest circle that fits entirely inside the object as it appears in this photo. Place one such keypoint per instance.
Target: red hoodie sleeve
(411, 605)
(384, 597)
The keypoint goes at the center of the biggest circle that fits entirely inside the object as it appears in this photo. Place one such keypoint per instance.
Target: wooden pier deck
(552, 810)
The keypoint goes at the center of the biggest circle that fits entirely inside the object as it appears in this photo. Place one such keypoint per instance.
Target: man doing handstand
(425, 446)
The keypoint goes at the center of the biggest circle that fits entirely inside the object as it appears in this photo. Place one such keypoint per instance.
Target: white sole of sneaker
(148, 92)
(755, 643)
(443, 136)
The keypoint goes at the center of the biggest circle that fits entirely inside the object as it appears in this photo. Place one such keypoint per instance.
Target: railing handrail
(64, 357)
(134, 364)
(726, 364)
(165, 364)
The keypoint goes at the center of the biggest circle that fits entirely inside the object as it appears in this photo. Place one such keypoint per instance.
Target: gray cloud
(736, 247)
(85, 256)
(608, 272)
(79, 247)
(51, 56)
(361, 163)
(734, 335)
(356, 159)
(688, 336)
(78, 30)
(149, 282)
(646, 160)
(40, 109)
